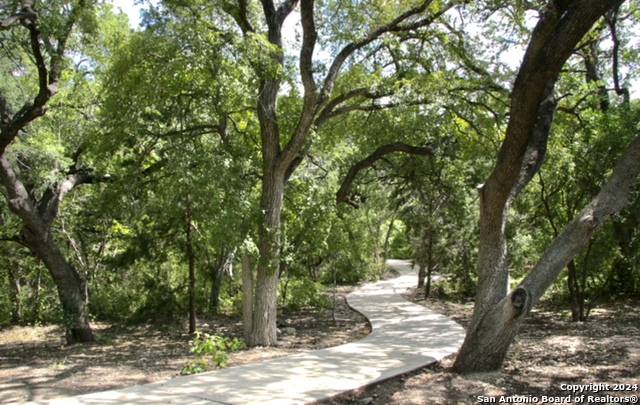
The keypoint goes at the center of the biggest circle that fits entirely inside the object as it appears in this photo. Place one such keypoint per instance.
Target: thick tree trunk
(36, 235)
(486, 348)
(216, 285)
(69, 284)
(497, 315)
(264, 331)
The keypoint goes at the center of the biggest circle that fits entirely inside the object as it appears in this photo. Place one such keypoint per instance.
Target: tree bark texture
(247, 296)
(496, 316)
(280, 160)
(36, 234)
(69, 284)
(264, 331)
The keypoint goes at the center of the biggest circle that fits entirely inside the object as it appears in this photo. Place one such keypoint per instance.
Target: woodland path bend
(404, 337)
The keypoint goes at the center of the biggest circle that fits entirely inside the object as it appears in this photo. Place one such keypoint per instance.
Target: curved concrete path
(405, 337)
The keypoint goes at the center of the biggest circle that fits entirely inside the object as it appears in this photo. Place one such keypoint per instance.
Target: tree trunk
(37, 216)
(36, 294)
(486, 347)
(222, 264)
(264, 331)
(572, 282)
(192, 269)
(497, 315)
(36, 235)
(14, 280)
(247, 296)
(387, 237)
(216, 285)
(422, 273)
(69, 284)
(427, 284)
(623, 279)
(430, 263)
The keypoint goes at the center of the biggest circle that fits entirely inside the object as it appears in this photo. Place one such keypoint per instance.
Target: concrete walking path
(404, 337)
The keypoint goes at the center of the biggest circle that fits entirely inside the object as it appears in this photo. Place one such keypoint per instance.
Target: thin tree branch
(327, 111)
(349, 49)
(244, 19)
(612, 20)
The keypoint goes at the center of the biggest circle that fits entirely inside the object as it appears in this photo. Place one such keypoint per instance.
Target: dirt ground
(549, 351)
(34, 365)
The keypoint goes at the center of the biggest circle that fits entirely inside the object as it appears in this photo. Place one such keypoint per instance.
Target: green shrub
(299, 293)
(110, 304)
(216, 346)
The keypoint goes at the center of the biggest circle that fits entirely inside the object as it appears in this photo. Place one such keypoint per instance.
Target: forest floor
(549, 351)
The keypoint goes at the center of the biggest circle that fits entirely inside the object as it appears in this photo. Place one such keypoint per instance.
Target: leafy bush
(299, 293)
(110, 303)
(217, 346)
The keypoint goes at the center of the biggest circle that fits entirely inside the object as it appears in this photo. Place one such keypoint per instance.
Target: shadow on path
(404, 337)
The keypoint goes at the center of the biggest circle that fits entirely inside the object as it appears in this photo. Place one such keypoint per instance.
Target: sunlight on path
(404, 337)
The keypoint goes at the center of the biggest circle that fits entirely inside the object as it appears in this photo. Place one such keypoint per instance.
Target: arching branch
(342, 194)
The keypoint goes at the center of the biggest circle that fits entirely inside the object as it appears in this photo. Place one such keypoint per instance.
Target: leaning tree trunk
(37, 236)
(486, 348)
(69, 283)
(37, 216)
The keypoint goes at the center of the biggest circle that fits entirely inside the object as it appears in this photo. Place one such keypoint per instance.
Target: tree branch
(392, 26)
(537, 148)
(243, 19)
(49, 204)
(285, 9)
(342, 194)
(47, 77)
(611, 22)
(610, 200)
(309, 36)
(327, 111)
(26, 16)
(552, 42)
